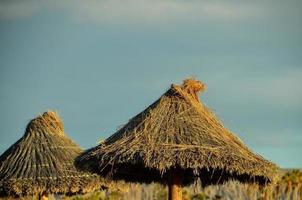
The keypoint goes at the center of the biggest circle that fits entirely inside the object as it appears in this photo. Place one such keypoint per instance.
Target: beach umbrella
(175, 141)
(42, 162)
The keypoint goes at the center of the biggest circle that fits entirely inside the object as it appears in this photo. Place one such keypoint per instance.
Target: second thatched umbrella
(176, 140)
(42, 161)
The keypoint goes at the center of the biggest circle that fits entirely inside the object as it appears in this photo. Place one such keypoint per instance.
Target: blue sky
(98, 63)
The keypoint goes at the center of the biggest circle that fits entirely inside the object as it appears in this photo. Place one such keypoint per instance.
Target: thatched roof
(43, 161)
(177, 132)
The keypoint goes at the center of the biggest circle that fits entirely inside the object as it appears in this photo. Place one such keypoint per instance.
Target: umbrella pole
(175, 192)
(43, 196)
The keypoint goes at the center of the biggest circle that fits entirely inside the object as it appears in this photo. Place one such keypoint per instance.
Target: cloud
(281, 90)
(19, 9)
(278, 90)
(135, 11)
(275, 138)
(150, 11)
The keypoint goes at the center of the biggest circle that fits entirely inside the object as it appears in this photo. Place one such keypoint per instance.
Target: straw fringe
(43, 161)
(178, 131)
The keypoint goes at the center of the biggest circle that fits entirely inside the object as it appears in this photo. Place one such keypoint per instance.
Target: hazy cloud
(137, 11)
(19, 9)
(158, 11)
(280, 90)
(274, 138)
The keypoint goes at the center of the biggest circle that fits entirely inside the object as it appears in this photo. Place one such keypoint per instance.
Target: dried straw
(178, 132)
(43, 161)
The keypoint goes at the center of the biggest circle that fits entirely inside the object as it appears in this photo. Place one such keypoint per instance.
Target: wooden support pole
(175, 192)
(43, 196)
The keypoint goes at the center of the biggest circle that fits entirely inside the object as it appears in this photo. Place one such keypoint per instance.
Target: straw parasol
(174, 141)
(42, 162)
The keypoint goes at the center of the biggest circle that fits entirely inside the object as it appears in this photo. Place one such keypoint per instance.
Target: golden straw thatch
(177, 133)
(42, 161)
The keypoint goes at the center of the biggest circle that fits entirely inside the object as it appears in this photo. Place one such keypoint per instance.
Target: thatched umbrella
(176, 140)
(42, 161)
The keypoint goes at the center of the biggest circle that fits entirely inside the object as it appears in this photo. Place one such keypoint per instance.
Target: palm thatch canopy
(43, 161)
(177, 133)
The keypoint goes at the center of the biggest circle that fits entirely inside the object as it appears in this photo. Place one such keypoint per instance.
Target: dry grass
(177, 131)
(288, 188)
(43, 161)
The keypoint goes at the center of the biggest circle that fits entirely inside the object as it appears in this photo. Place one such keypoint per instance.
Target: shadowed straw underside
(43, 161)
(178, 132)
